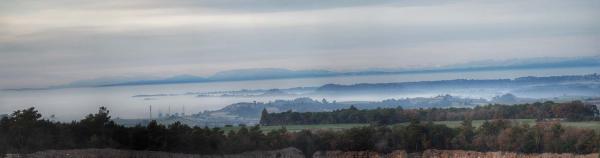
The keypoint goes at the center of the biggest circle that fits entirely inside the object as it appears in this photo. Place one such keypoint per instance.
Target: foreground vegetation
(24, 131)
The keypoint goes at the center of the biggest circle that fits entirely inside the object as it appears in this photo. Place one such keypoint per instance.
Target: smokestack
(150, 112)
(182, 110)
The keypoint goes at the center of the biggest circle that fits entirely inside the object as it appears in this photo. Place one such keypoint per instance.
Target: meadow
(452, 124)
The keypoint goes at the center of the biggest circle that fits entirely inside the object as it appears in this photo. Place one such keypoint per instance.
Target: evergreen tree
(264, 117)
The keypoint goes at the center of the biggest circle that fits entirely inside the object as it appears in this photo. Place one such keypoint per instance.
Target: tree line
(24, 131)
(571, 111)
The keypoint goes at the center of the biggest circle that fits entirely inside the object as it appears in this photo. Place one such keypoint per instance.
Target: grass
(595, 125)
(477, 123)
(586, 124)
(296, 128)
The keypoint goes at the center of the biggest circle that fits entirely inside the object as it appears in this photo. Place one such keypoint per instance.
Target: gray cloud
(49, 42)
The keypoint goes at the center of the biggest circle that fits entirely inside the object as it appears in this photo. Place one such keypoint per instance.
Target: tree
(157, 134)
(278, 139)
(576, 111)
(324, 101)
(25, 131)
(464, 139)
(414, 139)
(352, 108)
(306, 142)
(264, 117)
(96, 128)
(177, 137)
(359, 139)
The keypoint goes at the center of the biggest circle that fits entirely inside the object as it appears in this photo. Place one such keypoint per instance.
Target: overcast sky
(58, 41)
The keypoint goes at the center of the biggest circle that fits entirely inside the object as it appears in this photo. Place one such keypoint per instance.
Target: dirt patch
(474, 154)
(359, 154)
(113, 153)
(290, 153)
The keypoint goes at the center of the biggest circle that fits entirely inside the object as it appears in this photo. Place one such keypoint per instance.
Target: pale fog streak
(74, 103)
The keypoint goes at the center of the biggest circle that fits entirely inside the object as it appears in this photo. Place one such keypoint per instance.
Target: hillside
(525, 86)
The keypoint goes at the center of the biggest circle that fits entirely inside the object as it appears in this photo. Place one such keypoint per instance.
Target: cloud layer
(54, 42)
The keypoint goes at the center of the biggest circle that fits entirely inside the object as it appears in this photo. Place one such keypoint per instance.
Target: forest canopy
(571, 111)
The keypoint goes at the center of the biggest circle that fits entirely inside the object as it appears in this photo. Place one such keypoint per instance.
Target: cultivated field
(295, 128)
(476, 123)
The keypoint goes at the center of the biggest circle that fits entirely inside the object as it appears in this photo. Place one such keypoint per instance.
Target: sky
(55, 42)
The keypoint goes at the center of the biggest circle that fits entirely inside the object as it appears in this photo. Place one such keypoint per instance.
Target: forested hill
(530, 82)
(253, 109)
(572, 111)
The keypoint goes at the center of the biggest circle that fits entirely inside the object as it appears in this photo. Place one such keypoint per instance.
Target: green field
(295, 128)
(476, 123)
(588, 124)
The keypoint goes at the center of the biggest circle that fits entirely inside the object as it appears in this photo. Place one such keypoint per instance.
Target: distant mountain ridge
(280, 73)
(268, 73)
(566, 82)
(174, 79)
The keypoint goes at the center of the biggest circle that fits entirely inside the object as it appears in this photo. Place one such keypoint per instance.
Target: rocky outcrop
(359, 154)
(474, 154)
(113, 153)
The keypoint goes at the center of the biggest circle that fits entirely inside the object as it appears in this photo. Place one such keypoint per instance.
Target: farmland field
(452, 124)
(295, 128)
